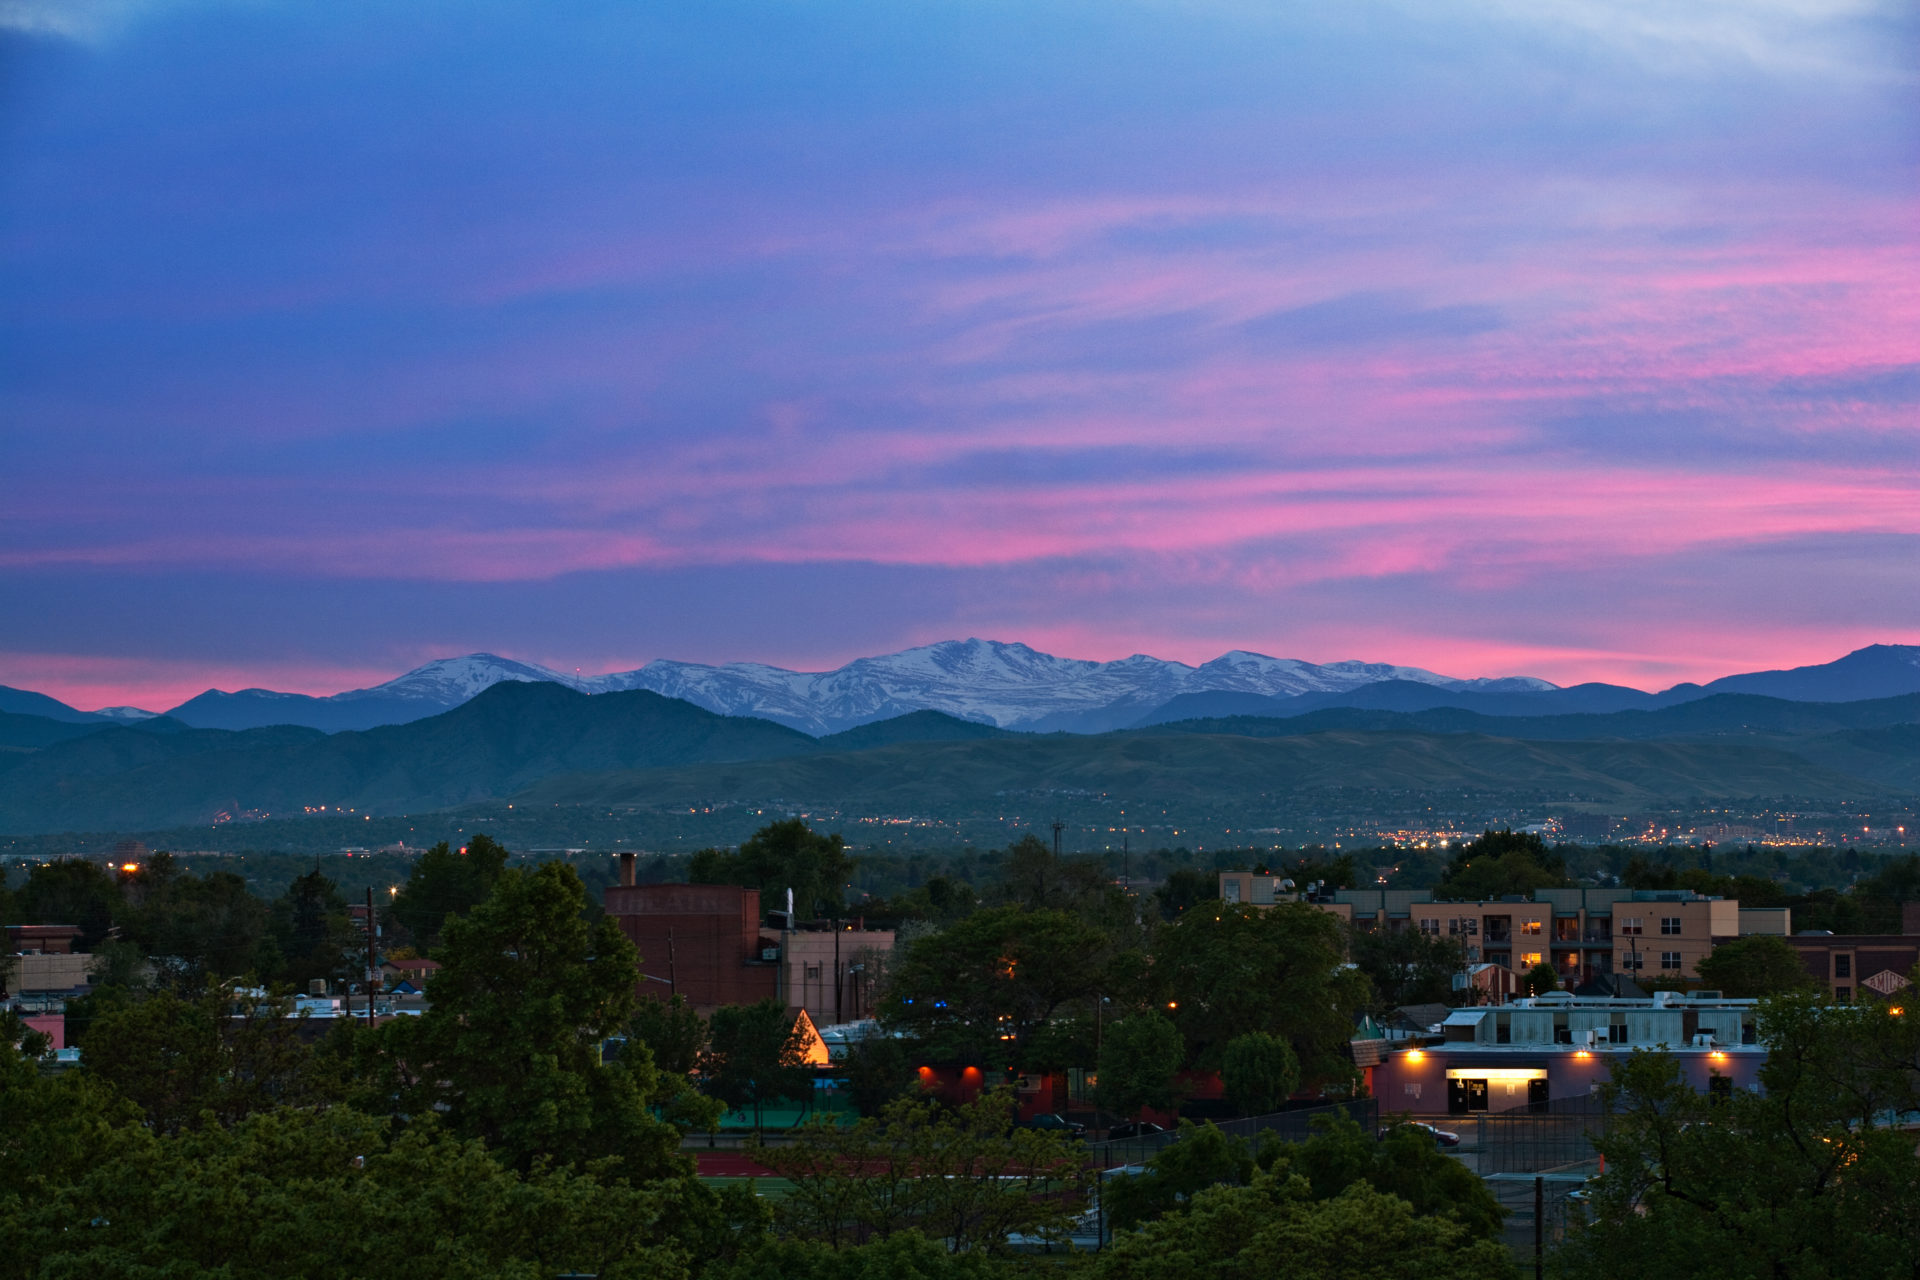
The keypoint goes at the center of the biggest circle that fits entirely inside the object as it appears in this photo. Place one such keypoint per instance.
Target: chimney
(626, 870)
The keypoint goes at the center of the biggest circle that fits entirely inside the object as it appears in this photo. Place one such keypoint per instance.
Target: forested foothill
(533, 1119)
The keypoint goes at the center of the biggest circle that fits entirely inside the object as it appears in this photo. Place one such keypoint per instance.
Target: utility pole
(1058, 827)
(370, 959)
(1539, 1228)
(1126, 864)
(673, 974)
(838, 977)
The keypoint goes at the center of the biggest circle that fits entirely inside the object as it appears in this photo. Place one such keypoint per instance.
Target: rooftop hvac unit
(1703, 1040)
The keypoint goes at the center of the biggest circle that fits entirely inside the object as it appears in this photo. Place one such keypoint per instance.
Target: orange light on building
(1581, 1055)
(128, 868)
(1415, 1055)
(1717, 1056)
(1895, 1010)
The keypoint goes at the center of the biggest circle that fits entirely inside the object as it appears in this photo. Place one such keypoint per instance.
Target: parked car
(1135, 1129)
(1047, 1122)
(1440, 1136)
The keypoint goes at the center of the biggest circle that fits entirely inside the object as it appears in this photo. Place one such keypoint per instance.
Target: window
(1630, 925)
(1530, 958)
(813, 971)
(1633, 962)
(1531, 926)
(1843, 994)
(1230, 889)
(1843, 966)
(1669, 959)
(1430, 926)
(1670, 925)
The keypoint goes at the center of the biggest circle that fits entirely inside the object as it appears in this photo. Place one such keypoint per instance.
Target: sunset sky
(1569, 339)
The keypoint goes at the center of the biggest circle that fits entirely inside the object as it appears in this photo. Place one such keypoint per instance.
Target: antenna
(1058, 827)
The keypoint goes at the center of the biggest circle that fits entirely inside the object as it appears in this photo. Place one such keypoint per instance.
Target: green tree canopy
(1807, 1178)
(757, 1055)
(509, 1048)
(71, 891)
(445, 883)
(1279, 969)
(1260, 1072)
(312, 932)
(1498, 864)
(1276, 1227)
(964, 1175)
(1139, 1057)
(1407, 966)
(210, 926)
(1541, 977)
(979, 991)
(1761, 964)
(781, 856)
(217, 1057)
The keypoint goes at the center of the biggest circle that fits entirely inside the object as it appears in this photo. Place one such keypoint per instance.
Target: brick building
(1863, 966)
(707, 943)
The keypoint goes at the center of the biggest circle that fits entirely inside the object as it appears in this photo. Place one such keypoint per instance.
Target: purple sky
(1571, 339)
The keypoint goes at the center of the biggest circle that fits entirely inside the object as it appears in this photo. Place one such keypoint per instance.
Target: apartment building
(1643, 933)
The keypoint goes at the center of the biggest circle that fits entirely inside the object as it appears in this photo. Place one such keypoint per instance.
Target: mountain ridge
(1011, 686)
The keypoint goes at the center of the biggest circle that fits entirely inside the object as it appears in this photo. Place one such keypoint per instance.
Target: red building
(699, 941)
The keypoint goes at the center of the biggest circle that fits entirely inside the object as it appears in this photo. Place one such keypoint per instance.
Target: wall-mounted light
(1415, 1055)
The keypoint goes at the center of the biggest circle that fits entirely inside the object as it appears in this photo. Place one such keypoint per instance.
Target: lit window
(1530, 926)
(1669, 959)
(1530, 958)
(1670, 925)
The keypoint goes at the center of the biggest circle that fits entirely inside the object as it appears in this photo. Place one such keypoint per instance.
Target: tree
(71, 891)
(444, 884)
(1807, 1177)
(1406, 966)
(1279, 969)
(1260, 1072)
(757, 1056)
(1500, 863)
(1275, 1226)
(781, 856)
(877, 1070)
(1403, 1163)
(906, 1255)
(1541, 977)
(672, 1031)
(967, 1176)
(1761, 964)
(1185, 888)
(1139, 1057)
(218, 1057)
(1032, 877)
(509, 1050)
(311, 930)
(979, 991)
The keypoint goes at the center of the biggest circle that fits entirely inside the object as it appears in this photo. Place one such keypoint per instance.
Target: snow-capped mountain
(440, 685)
(126, 714)
(448, 682)
(1009, 685)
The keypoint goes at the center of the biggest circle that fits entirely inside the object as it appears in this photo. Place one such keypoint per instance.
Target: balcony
(1499, 937)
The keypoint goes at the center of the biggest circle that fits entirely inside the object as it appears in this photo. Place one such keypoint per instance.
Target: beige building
(1580, 932)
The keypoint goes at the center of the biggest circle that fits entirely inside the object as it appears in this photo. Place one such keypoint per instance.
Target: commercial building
(707, 943)
(1582, 933)
(1863, 966)
(1557, 1045)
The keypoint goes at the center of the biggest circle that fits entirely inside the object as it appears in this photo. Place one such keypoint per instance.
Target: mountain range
(1009, 686)
(538, 743)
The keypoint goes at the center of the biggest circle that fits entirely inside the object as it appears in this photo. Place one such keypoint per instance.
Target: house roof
(1420, 1016)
